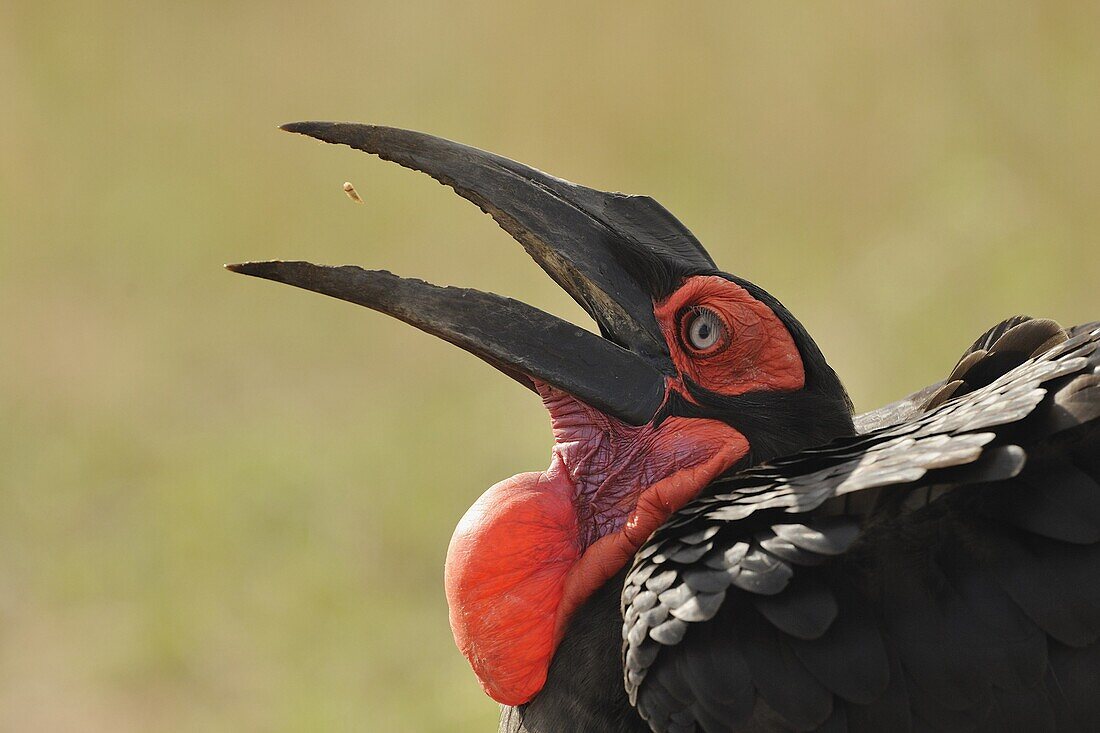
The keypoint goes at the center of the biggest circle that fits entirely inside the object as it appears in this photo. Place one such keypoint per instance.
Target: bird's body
(718, 544)
(907, 626)
(939, 573)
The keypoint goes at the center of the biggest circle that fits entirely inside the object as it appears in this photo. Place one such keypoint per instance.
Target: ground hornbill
(718, 544)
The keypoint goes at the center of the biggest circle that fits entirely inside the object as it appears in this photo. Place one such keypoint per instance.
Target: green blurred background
(225, 503)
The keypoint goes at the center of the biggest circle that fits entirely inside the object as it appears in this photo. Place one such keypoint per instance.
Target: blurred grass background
(225, 504)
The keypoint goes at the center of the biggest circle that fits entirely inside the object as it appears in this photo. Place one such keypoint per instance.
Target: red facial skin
(535, 546)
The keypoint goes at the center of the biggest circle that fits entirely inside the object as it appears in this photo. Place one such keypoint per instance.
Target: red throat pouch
(517, 566)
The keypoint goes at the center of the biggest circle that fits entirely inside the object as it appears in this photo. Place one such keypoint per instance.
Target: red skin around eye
(761, 354)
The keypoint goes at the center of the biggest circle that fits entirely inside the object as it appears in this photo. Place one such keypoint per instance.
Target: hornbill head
(695, 372)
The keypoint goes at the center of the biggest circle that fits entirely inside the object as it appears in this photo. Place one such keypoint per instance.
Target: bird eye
(703, 331)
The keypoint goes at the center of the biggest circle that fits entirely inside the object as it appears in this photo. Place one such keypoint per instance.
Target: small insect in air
(352, 193)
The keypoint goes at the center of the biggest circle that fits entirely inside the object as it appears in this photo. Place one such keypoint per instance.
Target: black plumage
(978, 554)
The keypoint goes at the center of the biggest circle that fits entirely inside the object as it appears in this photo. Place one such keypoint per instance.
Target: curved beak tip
(265, 269)
(304, 128)
(244, 268)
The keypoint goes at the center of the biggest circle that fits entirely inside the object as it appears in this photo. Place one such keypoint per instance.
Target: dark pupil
(704, 331)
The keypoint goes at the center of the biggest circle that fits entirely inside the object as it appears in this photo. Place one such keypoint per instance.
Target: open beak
(598, 246)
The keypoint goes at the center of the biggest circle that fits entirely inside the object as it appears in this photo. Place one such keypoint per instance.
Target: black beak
(602, 248)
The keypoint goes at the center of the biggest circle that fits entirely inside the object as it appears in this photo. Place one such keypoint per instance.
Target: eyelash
(688, 320)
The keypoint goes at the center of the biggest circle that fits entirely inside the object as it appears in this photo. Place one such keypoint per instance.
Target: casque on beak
(602, 248)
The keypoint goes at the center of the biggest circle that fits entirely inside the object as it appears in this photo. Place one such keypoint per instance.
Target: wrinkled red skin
(535, 546)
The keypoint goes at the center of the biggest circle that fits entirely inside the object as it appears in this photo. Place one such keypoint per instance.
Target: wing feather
(939, 571)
